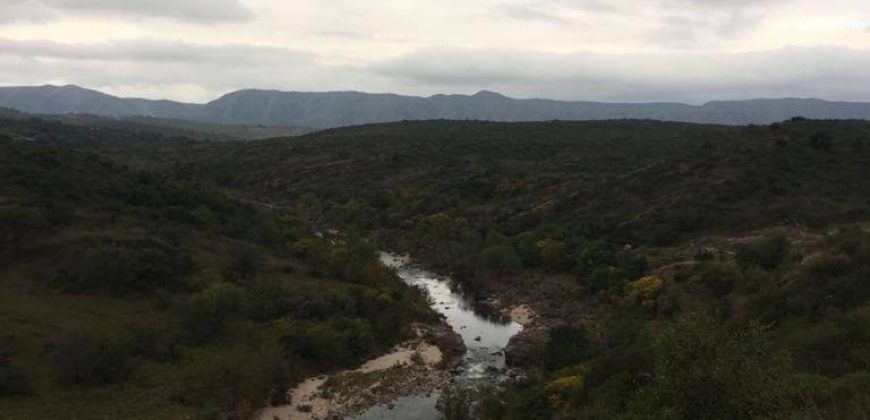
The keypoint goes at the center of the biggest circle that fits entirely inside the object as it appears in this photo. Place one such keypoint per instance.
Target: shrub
(247, 262)
(18, 224)
(205, 313)
(718, 278)
(568, 345)
(155, 343)
(566, 387)
(455, 403)
(821, 140)
(501, 258)
(553, 254)
(767, 253)
(82, 359)
(12, 381)
(595, 254)
(644, 291)
(705, 371)
(123, 270)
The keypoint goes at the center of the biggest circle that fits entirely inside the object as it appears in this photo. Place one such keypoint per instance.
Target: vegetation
(695, 272)
(126, 295)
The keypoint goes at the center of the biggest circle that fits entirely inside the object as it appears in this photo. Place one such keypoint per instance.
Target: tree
(705, 371)
(553, 254)
(568, 345)
(501, 258)
(206, 312)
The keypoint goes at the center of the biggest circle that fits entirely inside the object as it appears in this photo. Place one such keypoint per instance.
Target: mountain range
(336, 109)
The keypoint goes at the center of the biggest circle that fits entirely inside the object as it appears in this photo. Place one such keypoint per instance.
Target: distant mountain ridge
(337, 109)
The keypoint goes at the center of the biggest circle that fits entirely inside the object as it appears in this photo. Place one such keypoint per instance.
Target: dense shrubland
(642, 224)
(172, 293)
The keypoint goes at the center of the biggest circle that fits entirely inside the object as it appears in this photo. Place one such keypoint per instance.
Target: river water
(484, 335)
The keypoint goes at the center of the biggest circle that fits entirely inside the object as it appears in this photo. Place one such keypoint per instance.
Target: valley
(659, 269)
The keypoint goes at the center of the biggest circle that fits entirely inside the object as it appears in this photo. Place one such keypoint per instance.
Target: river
(484, 335)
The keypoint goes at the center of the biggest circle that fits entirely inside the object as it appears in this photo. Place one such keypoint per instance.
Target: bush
(767, 253)
(455, 403)
(821, 140)
(82, 359)
(501, 258)
(568, 345)
(704, 371)
(12, 382)
(204, 314)
(155, 343)
(336, 343)
(553, 254)
(19, 224)
(123, 270)
(644, 291)
(247, 262)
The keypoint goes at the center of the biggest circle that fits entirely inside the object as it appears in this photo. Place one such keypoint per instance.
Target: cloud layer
(198, 11)
(615, 50)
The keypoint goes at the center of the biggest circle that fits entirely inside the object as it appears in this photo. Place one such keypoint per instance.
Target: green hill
(678, 271)
(127, 295)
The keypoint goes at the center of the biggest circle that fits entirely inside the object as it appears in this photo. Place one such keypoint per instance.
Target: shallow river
(485, 336)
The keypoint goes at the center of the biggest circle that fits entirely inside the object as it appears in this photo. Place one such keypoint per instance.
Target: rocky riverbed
(417, 367)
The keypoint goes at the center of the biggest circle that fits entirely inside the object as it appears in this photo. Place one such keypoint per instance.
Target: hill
(690, 271)
(124, 294)
(175, 128)
(676, 270)
(337, 109)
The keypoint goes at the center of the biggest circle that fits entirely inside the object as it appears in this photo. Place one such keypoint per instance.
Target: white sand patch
(522, 314)
(403, 356)
(308, 394)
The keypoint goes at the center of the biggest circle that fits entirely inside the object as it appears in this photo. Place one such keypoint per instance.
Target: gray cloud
(827, 72)
(195, 11)
(153, 66)
(529, 13)
(148, 50)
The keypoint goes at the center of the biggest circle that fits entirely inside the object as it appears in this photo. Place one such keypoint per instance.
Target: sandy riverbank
(414, 367)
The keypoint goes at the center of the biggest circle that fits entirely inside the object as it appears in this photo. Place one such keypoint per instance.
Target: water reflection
(485, 335)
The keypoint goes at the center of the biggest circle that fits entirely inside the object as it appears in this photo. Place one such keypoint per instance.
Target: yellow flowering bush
(644, 291)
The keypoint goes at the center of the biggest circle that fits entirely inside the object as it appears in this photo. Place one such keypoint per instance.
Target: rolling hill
(337, 109)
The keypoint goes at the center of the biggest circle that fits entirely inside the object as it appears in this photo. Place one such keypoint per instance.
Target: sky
(600, 50)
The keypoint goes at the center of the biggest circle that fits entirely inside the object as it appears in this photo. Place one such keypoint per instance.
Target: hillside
(338, 109)
(175, 128)
(676, 270)
(127, 295)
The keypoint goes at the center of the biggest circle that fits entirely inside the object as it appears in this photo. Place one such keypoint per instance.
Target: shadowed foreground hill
(125, 294)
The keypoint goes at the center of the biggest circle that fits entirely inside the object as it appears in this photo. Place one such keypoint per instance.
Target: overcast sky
(610, 50)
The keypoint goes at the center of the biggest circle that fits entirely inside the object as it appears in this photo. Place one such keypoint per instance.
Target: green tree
(568, 345)
(705, 371)
(501, 258)
(205, 313)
